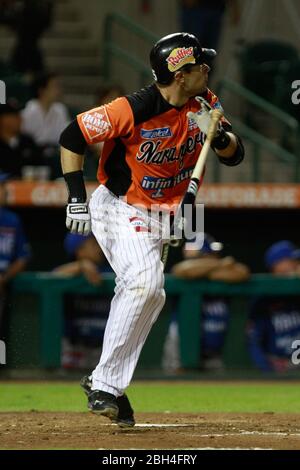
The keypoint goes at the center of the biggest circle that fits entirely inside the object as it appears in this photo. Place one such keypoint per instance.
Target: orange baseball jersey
(150, 147)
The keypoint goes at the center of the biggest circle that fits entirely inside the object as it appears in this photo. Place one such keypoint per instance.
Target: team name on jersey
(149, 151)
(286, 321)
(161, 132)
(285, 342)
(151, 183)
(7, 241)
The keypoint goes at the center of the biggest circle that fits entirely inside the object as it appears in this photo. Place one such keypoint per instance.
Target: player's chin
(201, 90)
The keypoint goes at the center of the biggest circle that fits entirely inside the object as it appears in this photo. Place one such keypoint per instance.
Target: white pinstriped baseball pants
(135, 256)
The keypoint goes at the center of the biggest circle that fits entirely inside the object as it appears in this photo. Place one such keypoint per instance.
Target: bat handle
(216, 115)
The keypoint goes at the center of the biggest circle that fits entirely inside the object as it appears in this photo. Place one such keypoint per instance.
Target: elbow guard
(72, 138)
(238, 155)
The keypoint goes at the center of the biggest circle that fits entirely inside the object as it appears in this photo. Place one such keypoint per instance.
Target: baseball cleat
(125, 416)
(103, 403)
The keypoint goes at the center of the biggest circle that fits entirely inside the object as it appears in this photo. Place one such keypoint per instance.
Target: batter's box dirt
(37, 430)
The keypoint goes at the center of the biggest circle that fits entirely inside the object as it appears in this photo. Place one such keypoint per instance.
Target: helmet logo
(180, 57)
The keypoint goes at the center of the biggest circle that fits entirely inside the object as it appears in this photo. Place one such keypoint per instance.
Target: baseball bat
(191, 192)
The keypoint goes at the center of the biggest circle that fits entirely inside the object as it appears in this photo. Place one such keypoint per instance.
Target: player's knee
(162, 297)
(149, 284)
(155, 285)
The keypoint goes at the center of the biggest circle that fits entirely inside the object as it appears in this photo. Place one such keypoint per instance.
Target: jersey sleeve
(107, 122)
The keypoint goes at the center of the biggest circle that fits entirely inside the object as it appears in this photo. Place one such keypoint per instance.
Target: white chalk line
(194, 425)
(248, 433)
(211, 435)
(264, 433)
(146, 425)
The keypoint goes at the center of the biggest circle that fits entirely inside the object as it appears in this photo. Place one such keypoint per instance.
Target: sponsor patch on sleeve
(96, 122)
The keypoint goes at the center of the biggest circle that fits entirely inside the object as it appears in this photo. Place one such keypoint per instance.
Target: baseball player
(150, 149)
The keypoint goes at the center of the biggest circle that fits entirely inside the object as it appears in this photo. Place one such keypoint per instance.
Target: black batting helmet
(173, 52)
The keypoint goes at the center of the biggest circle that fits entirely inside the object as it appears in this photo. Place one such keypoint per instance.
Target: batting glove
(203, 116)
(78, 218)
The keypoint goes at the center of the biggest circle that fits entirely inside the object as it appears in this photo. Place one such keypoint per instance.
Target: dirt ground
(38, 430)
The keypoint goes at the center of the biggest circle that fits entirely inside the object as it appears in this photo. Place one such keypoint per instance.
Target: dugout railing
(290, 128)
(111, 49)
(37, 315)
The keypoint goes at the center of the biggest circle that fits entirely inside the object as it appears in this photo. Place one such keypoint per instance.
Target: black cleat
(125, 417)
(103, 403)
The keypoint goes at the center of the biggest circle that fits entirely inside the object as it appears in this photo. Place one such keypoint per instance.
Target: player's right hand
(78, 218)
(202, 118)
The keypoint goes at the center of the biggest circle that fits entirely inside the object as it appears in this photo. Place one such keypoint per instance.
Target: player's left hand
(78, 218)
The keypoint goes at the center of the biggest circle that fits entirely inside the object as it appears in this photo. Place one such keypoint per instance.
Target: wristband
(76, 188)
(221, 141)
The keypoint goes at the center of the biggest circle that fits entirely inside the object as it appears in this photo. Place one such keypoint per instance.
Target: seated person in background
(274, 322)
(85, 314)
(87, 255)
(14, 248)
(203, 260)
(44, 118)
(16, 149)
(108, 93)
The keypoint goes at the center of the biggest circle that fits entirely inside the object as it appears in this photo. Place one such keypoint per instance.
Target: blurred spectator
(203, 260)
(14, 248)
(44, 118)
(85, 315)
(28, 19)
(87, 255)
(108, 93)
(16, 149)
(204, 19)
(274, 321)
